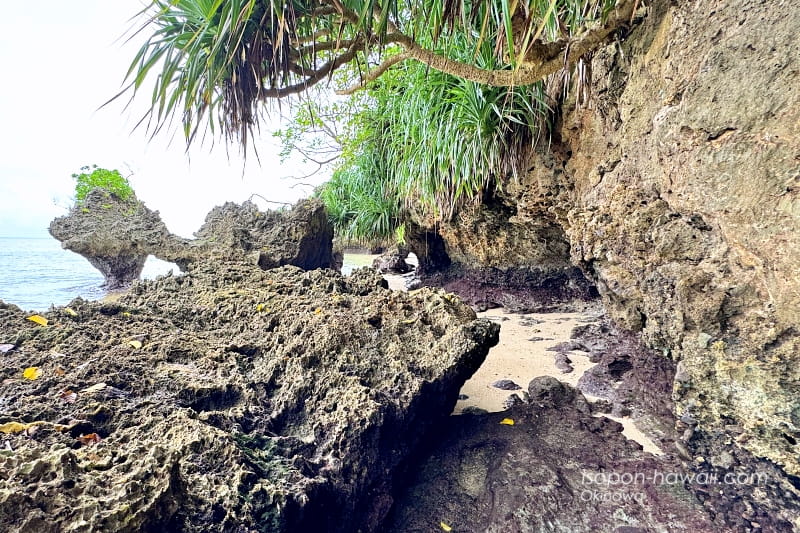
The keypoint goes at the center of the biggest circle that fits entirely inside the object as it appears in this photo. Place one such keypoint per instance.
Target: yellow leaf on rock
(445, 527)
(39, 319)
(135, 344)
(13, 427)
(70, 311)
(507, 422)
(32, 372)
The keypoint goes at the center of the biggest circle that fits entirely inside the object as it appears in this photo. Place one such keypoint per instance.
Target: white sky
(60, 61)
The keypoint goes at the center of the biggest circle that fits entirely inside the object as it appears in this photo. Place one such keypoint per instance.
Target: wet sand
(522, 355)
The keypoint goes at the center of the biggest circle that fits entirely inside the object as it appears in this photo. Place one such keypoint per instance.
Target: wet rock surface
(557, 468)
(518, 290)
(226, 399)
(677, 193)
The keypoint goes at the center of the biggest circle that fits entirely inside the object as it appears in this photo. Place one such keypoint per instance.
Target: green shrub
(109, 180)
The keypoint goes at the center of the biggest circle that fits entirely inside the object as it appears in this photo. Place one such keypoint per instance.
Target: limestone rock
(393, 261)
(678, 192)
(114, 235)
(301, 236)
(556, 469)
(279, 400)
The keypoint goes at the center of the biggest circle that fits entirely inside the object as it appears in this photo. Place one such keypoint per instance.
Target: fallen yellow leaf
(318, 310)
(136, 344)
(13, 427)
(70, 311)
(32, 372)
(445, 527)
(507, 421)
(39, 319)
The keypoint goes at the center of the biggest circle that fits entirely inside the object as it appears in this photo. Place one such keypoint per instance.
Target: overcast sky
(60, 62)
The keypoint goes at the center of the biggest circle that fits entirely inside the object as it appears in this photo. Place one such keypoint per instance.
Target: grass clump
(94, 177)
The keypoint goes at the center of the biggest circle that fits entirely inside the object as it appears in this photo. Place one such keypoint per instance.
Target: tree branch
(376, 73)
(542, 59)
(314, 76)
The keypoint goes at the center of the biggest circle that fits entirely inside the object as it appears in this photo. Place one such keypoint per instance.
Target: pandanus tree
(457, 83)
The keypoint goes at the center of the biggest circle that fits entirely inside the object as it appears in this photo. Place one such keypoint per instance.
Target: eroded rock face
(685, 208)
(302, 236)
(496, 257)
(678, 190)
(393, 261)
(277, 400)
(116, 236)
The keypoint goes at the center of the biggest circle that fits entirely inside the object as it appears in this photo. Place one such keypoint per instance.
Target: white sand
(519, 359)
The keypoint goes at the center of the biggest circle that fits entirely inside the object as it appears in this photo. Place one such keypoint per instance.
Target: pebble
(506, 384)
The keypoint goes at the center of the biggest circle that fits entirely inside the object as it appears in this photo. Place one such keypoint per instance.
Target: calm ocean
(36, 273)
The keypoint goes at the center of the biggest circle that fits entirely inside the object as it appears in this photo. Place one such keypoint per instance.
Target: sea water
(36, 273)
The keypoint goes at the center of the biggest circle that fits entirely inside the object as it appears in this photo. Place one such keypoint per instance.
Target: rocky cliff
(676, 189)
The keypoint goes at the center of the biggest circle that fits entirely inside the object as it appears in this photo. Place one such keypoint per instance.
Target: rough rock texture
(491, 257)
(393, 261)
(556, 469)
(226, 399)
(116, 236)
(678, 190)
(301, 236)
(517, 289)
(684, 207)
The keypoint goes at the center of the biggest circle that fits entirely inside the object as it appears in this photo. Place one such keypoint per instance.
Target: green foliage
(214, 62)
(94, 177)
(420, 140)
(361, 207)
(429, 142)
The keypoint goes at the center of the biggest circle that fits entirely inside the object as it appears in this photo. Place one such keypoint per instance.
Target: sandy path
(522, 355)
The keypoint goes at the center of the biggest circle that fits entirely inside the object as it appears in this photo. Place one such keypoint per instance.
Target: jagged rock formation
(677, 189)
(116, 236)
(227, 399)
(492, 257)
(301, 236)
(393, 261)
